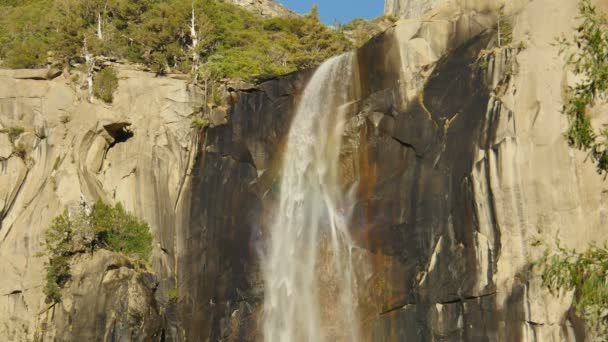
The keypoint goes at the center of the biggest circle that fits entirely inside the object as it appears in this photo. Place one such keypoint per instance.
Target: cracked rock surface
(69, 150)
(461, 166)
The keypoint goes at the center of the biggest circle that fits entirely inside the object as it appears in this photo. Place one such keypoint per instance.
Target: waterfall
(308, 270)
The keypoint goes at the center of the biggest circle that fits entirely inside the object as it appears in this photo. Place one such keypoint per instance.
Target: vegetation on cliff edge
(87, 230)
(105, 84)
(587, 54)
(207, 38)
(587, 275)
(360, 30)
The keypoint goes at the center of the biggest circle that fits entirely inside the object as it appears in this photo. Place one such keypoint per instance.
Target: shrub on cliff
(105, 84)
(119, 231)
(59, 245)
(360, 30)
(318, 42)
(587, 54)
(587, 275)
(102, 226)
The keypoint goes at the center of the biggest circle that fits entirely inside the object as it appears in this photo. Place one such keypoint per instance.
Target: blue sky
(342, 10)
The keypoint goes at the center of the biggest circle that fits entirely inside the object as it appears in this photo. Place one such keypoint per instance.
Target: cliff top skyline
(342, 11)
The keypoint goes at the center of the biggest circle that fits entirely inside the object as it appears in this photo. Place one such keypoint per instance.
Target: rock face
(137, 151)
(266, 8)
(108, 300)
(409, 8)
(462, 170)
(461, 166)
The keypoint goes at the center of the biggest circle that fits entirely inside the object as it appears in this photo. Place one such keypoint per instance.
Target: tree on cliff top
(228, 41)
(318, 42)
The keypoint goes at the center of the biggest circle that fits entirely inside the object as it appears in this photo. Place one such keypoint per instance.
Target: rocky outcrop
(409, 8)
(266, 8)
(57, 150)
(108, 300)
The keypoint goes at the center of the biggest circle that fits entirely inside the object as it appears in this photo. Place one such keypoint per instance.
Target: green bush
(587, 54)
(13, 132)
(59, 245)
(120, 231)
(25, 37)
(173, 294)
(105, 84)
(360, 30)
(29, 53)
(232, 42)
(504, 29)
(200, 122)
(106, 227)
(57, 275)
(585, 273)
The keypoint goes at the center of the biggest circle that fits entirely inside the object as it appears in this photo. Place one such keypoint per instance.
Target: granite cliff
(456, 146)
(409, 8)
(267, 8)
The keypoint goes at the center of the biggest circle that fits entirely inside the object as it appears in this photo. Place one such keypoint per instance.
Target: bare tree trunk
(90, 63)
(499, 42)
(206, 94)
(195, 56)
(99, 33)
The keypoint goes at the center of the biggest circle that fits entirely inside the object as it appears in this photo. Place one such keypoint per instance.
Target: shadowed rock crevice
(119, 131)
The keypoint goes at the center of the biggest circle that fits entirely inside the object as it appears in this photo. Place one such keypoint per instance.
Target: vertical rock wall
(72, 151)
(461, 168)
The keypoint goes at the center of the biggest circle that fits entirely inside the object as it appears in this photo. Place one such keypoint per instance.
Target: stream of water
(308, 268)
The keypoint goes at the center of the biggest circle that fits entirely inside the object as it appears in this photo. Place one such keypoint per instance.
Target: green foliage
(13, 132)
(24, 34)
(200, 122)
(230, 41)
(105, 84)
(107, 227)
(57, 274)
(587, 53)
(28, 53)
(246, 44)
(173, 294)
(587, 275)
(360, 30)
(59, 245)
(161, 29)
(504, 29)
(120, 231)
(318, 42)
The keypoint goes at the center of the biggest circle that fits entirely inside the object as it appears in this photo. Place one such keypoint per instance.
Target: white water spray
(308, 270)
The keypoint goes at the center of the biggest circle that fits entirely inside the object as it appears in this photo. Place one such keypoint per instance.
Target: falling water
(308, 270)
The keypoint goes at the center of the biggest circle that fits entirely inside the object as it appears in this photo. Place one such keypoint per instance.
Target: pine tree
(318, 42)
